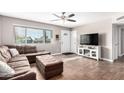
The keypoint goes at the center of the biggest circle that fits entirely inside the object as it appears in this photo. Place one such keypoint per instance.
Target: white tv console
(90, 51)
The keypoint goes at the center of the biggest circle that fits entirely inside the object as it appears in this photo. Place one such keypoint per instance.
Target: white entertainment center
(90, 51)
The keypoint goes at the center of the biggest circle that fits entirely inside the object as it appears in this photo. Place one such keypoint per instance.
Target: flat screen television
(89, 39)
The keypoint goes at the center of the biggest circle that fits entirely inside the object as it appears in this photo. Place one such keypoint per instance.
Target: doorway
(122, 42)
(118, 41)
(74, 42)
(65, 41)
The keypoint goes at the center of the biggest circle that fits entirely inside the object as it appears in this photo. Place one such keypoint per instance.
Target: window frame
(14, 28)
(45, 35)
(26, 27)
(33, 42)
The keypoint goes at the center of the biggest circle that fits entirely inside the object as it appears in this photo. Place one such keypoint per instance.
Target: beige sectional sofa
(20, 63)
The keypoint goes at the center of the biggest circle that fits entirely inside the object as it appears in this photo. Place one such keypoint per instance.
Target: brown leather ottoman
(49, 66)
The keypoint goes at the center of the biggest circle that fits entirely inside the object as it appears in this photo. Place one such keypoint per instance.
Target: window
(48, 36)
(20, 35)
(27, 35)
(35, 36)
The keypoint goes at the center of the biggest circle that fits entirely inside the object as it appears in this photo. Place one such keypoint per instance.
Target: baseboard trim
(105, 59)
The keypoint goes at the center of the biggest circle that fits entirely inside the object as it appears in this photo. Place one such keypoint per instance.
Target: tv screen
(89, 39)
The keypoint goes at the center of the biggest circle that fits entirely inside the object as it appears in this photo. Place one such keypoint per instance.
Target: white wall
(9, 38)
(104, 28)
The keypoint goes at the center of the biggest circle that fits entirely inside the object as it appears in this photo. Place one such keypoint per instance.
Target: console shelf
(90, 51)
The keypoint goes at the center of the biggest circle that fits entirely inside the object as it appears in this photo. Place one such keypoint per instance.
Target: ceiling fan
(64, 17)
(120, 18)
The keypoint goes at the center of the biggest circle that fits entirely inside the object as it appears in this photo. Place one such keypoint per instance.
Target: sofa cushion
(30, 49)
(20, 48)
(18, 58)
(6, 70)
(14, 52)
(19, 64)
(2, 58)
(25, 76)
(22, 69)
(5, 53)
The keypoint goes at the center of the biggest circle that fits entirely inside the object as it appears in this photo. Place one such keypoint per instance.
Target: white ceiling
(46, 17)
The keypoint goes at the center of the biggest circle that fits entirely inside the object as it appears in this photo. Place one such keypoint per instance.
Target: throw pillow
(6, 70)
(5, 53)
(14, 52)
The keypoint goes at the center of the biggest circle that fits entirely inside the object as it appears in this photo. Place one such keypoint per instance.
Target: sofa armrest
(27, 76)
(37, 54)
(43, 51)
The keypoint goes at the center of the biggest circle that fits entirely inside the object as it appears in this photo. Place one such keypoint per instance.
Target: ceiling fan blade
(71, 15)
(56, 15)
(71, 20)
(56, 20)
(63, 13)
(122, 17)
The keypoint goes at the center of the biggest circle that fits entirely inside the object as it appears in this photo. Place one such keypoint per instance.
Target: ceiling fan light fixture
(65, 18)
